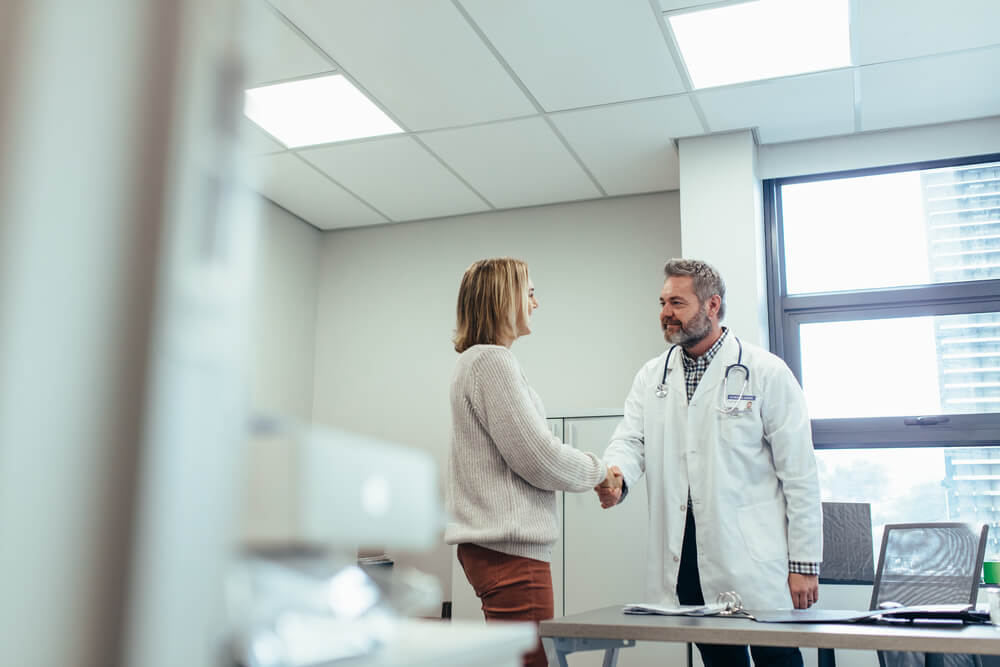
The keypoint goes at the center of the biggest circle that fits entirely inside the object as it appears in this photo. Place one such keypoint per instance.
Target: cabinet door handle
(925, 421)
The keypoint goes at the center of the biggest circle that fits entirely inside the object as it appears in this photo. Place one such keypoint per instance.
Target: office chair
(929, 563)
(847, 544)
(847, 552)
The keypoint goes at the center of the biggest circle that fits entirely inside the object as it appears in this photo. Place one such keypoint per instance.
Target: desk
(609, 629)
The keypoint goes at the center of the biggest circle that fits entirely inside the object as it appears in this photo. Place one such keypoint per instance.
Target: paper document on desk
(932, 612)
(811, 615)
(681, 610)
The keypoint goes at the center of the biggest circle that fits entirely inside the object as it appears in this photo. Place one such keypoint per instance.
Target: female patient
(504, 464)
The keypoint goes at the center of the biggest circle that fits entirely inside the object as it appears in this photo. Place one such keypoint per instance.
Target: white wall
(286, 292)
(877, 149)
(387, 295)
(284, 345)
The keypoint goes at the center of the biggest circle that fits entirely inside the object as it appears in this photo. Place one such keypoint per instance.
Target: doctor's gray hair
(705, 279)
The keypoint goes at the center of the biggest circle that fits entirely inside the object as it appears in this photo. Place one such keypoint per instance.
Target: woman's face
(524, 318)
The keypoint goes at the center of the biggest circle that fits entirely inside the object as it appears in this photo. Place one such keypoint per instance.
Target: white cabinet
(558, 550)
(604, 548)
(605, 551)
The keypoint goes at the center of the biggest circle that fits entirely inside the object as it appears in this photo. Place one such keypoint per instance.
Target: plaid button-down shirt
(694, 370)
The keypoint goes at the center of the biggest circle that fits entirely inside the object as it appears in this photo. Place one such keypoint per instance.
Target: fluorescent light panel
(750, 41)
(316, 111)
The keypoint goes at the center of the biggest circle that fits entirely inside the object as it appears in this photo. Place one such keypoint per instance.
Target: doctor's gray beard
(692, 333)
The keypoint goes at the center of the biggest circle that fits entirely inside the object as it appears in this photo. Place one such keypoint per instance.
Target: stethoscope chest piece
(661, 389)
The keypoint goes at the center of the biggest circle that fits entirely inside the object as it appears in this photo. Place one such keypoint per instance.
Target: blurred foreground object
(305, 611)
(126, 252)
(300, 598)
(308, 612)
(320, 487)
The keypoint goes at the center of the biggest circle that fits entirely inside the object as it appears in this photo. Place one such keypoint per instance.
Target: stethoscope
(661, 389)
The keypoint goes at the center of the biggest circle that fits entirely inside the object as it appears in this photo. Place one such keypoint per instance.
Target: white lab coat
(752, 475)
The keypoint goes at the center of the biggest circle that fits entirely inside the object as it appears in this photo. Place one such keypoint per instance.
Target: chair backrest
(929, 563)
(847, 544)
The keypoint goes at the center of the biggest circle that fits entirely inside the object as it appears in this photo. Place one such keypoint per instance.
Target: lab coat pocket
(741, 427)
(762, 525)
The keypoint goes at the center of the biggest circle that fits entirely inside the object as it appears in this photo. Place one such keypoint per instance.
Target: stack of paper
(682, 610)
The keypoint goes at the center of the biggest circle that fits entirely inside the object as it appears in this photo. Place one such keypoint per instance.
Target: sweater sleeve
(501, 399)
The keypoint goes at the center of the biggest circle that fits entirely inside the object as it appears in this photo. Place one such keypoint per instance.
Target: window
(885, 302)
(922, 484)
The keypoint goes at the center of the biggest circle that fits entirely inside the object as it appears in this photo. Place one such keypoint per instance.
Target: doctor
(720, 428)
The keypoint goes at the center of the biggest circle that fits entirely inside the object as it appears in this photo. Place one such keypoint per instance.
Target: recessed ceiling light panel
(750, 41)
(316, 111)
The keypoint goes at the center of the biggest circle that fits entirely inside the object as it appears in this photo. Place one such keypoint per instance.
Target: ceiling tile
(289, 182)
(515, 163)
(421, 60)
(800, 107)
(931, 90)
(575, 53)
(885, 30)
(628, 146)
(672, 5)
(257, 141)
(398, 177)
(276, 52)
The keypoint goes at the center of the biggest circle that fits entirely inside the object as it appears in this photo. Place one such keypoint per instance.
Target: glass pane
(912, 485)
(902, 366)
(907, 228)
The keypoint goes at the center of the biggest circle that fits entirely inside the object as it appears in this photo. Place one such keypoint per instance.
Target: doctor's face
(683, 317)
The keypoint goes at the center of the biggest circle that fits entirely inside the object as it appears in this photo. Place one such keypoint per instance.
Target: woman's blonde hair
(493, 294)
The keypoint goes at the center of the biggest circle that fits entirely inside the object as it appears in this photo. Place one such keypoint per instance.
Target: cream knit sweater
(504, 464)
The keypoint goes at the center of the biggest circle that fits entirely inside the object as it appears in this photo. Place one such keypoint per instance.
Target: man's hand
(804, 589)
(610, 490)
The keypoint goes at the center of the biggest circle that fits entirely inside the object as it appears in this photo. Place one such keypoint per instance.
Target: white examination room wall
(284, 345)
(284, 328)
(386, 314)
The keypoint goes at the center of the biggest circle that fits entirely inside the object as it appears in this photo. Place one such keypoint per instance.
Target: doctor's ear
(714, 304)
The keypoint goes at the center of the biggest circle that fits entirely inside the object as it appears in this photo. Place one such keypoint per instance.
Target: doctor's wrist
(803, 567)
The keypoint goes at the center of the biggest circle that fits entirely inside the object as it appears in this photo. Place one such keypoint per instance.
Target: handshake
(610, 490)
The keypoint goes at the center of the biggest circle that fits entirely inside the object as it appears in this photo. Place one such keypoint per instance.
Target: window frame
(786, 313)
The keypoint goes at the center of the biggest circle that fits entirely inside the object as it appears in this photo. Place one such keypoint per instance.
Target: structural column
(721, 223)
